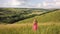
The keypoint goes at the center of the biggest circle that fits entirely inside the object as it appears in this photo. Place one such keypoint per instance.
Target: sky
(30, 3)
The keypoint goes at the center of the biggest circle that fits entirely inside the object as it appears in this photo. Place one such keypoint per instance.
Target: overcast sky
(30, 3)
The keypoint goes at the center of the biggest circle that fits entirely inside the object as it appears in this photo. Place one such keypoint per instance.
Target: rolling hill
(48, 17)
(24, 15)
(12, 15)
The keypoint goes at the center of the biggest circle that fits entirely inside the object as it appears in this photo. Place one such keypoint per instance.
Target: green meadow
(20, 21)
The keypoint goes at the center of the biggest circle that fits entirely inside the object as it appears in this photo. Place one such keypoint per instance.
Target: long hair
(35, 21)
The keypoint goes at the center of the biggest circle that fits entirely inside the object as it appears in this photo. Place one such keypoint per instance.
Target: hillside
(12, 15)
(49, 17)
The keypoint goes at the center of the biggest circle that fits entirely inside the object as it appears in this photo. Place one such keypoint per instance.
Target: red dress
(35, 26)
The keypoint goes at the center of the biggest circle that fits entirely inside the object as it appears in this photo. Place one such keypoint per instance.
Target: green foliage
(11, 15)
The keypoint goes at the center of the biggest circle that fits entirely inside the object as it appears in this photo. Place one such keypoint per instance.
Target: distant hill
(53, 16)
(12, 15)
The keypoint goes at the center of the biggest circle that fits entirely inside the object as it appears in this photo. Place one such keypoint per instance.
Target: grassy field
(47, 24)
(43, 28)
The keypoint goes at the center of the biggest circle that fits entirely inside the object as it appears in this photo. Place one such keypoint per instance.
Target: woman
(35, 25)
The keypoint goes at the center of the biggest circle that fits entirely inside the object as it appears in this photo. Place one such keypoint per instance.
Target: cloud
(52, 4)
(57, 4)
(30, 3)
(38, 5)
(48, 4)
(12, 3)
(50, 0)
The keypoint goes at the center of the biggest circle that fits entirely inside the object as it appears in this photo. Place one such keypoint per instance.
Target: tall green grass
(27, 29)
